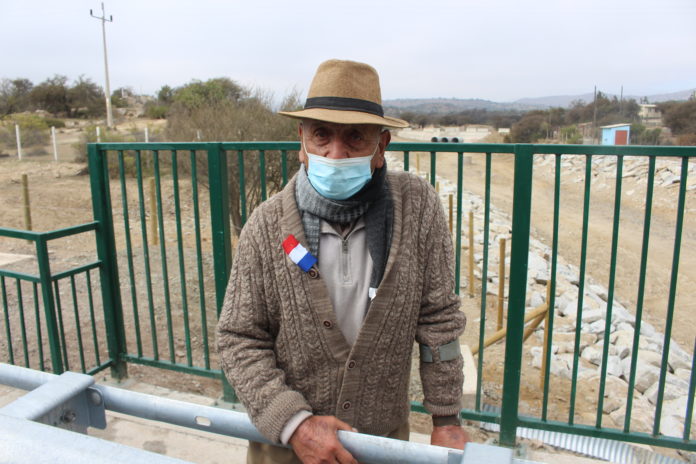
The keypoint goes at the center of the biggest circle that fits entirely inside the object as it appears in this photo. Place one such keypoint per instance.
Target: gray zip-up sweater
(278, 338)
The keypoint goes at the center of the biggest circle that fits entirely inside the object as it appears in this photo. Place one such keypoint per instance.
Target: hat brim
(345, 117)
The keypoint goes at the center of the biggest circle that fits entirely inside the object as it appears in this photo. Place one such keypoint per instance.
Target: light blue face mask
(338, 179)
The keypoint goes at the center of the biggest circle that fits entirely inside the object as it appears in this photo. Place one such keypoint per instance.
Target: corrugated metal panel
(600, 448)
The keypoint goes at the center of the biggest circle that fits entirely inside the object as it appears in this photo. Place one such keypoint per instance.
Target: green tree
(222, 110)
(86, 99)
(532, 127)
(680, 117)
(14, 95)
(52, 95)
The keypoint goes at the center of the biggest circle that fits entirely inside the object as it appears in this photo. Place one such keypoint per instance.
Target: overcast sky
(497, 50)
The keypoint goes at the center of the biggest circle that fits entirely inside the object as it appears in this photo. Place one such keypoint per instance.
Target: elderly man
(334, 279)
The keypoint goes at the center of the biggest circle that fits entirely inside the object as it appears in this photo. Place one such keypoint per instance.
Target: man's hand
(315, 441)
(450, 436)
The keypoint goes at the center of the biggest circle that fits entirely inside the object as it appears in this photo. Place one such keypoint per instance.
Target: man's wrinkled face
(338, 141)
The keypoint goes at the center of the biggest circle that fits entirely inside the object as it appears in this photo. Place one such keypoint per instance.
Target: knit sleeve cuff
(272, 419)
(294, 422)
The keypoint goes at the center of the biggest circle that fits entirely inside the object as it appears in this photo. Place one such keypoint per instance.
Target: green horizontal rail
(20, 275)
(51, 235)
(495, 148)
(75, 271)
(151, 362)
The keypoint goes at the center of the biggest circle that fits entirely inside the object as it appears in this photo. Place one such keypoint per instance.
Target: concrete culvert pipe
(433, 139)
(444, 139)
(455, 140)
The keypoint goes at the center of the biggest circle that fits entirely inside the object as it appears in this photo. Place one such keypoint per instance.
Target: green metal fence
(44, 329)
(166, 213)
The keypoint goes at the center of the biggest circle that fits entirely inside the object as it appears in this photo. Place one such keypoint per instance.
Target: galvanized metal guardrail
(74, 402)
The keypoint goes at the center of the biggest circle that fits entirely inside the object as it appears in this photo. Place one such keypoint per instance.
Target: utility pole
(109, 115)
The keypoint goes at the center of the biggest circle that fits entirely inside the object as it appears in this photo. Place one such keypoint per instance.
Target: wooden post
(19, 142)
(451, 209)
(533, 314)
(437, 187)
(501, 283)
(535, 323)
(25, 200)
(153, 213)
(98, 135)
(471, 253)
(418, 163)
(147, 136)
(547, 336)
(55, 146)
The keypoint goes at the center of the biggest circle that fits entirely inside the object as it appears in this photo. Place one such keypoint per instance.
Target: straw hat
(345, 92)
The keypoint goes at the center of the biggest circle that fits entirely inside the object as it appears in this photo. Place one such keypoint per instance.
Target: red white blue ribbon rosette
(298, 254)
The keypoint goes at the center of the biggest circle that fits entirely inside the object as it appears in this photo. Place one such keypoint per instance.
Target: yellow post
(451, 209)
(501, 283)
(533, 314)
(471, 253)
(547, 335)
(25, 201)
(153, 213)
(418, 163)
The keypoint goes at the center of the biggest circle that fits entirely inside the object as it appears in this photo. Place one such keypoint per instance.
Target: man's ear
(301, 153)
(384, 139)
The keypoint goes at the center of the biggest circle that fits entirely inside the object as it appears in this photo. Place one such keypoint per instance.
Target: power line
(109, 115)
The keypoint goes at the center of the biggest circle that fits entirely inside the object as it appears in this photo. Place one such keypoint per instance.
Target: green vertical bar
(521, 209)
(182, 267)
(8, 330)
(262, 173)
(220, 220)
(146, 256)
(672, 294)
(199, 260)
(433, 175)
(49, 308)
(690, 401)
(22, 322)
(406, 160)
(484, 275)
(220, 223)
(610, 297)
(61, 326)
(242, 186)
(78, 327)
(91, 317)
(37, 316)
(284, 166)
(106, 251)
(641, 292)
(129, 255)
(458, 239)
(581, 286)
(552, 300)
(163, 255)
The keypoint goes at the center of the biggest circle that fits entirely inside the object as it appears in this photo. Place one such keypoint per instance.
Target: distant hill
(453, 105)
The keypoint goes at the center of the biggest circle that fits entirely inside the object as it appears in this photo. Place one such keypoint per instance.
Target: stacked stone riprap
(593, 321)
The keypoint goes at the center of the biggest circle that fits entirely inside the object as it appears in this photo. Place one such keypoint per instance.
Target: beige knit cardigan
(279, 344)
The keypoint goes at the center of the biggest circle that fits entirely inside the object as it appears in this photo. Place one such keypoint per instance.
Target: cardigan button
(346, 405)
(313, 273)
(351, 364)
(328, 324)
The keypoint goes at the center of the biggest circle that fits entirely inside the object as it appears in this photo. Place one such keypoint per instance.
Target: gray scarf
(373, 201)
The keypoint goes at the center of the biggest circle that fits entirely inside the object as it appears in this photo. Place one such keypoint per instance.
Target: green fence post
(49, 305)
(222, 239)
(106, 252)
(521, 207)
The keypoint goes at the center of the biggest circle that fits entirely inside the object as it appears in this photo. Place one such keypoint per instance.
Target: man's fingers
(344, 457)
(340, 425)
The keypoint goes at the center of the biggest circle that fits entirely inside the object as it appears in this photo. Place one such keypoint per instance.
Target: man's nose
(337, 149)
